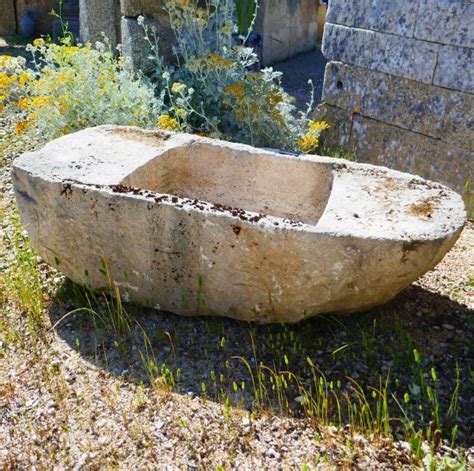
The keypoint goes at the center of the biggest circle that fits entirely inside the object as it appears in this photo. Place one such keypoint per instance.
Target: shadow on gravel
(14, 46)
(219, 358)
(296, 73)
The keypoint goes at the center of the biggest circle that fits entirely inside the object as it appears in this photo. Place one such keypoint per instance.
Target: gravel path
(298, 70)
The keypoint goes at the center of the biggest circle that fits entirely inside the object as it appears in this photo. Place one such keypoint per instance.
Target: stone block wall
(118, 19)
(322, 13)
(11, 12)
(97, 17)
(135, 49)
(399, 87)
(288, 28)
(7, 17)
(41, 9)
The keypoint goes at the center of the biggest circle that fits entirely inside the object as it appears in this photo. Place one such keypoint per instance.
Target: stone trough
(197, 226)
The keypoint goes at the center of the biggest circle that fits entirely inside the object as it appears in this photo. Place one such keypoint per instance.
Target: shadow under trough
(415, 352)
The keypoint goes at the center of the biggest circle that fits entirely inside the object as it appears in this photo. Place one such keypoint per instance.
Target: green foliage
(20, 281)
(71, 88)
(246, 12)
(212, 90)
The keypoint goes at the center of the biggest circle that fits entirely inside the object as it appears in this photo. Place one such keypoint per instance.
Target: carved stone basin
(197, 226)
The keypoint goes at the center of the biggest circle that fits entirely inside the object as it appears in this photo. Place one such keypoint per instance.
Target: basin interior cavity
(264, 183)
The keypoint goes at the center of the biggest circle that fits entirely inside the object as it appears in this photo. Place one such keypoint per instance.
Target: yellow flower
(20, 127)
(102, 79)
(5, 81)
(64, 102)
(254, 108)
(237, 89)
(166, 122)
(317, 126)
(23, 103)
(275, 97)
(24, 77)
(215, 60)
(178, 88)
(9, 62)
(61, 78)
(41, 101)
(39, 42)
(70, 50)
(308, 143)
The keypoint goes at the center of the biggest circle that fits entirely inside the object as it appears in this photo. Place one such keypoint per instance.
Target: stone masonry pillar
(7, 17)
(97, 17)
(135, 49)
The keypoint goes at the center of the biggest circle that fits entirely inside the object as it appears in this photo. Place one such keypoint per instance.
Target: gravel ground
(76, 394)
(298, 70)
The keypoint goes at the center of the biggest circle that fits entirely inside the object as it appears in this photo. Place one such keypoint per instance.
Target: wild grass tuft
(280, 369)
(21, 279)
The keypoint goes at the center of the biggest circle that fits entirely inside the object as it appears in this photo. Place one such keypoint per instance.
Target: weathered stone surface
(455, 68)
(338, 136)
(348, 45)
(446, 21)
(405, 57)
(314, 234)
(288, 27)
(409, 65)
(136, 8)
(383, 144)
(41, 9)
(7, 17)
(98, 17)
(405, 103)
(302, 38)
(458, 126)
(275, 46)
(300, 11)
(394, 16)
(322, 17)
(272, 13)
(137, 51)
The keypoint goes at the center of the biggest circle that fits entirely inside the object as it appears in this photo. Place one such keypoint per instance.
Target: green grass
(337, 153)
(22, 281)
(282, 376)
(308, 371)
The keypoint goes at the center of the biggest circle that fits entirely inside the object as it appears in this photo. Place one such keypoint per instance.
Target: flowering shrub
(310, 141)
(212, 89)
(70, 88)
